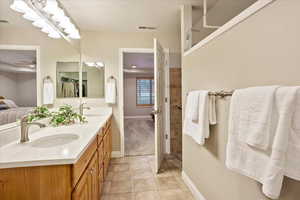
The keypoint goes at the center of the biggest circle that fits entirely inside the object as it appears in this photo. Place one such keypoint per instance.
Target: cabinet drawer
(79, 167)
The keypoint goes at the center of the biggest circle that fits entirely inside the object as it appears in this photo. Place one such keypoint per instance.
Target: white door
(159, 105)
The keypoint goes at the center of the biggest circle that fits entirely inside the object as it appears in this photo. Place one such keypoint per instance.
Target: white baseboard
(196, 193)
(138, 117)
(116, 154)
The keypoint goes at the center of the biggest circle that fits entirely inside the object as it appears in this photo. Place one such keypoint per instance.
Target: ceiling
(17, 60)
(140, 60)
(144, 63)
(114, 15)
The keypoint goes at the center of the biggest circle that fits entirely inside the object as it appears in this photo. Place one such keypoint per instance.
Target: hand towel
(48, 92)
(285, 105)
(212, 110)
(197, 125)
(256, 105)
(111, 91)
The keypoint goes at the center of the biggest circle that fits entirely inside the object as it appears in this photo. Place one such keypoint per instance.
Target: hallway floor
(139, 137)
(133, 178)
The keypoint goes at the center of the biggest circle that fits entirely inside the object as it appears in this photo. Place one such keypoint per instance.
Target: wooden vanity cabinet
(87, 188)
(97, 167)
(80, 181)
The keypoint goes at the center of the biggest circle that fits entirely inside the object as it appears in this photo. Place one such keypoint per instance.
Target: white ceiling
(17, 60)
(140, 60)
(114, 15)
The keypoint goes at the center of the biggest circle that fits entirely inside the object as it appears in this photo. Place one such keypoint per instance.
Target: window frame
(151, 91)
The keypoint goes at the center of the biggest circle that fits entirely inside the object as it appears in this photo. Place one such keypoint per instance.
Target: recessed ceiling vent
(147, 28)
(3, 21)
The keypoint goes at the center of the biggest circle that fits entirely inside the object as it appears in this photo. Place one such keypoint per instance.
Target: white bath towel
(285, 106)
(212, 110)
(266, 166)
(256, 104)
(111, 91)
(197, 125)
(48, 92)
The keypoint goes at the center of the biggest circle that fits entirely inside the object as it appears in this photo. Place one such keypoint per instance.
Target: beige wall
(19, 87)
(103, 46)
(8, 85)
(262, 50)
(26, 89)
(51, 50)
(130, 107)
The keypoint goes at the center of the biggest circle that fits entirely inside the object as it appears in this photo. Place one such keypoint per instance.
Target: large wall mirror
(93, 79)
(67, 80)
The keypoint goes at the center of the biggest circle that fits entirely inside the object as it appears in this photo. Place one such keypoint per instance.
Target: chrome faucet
(25, 126)
(81, 108)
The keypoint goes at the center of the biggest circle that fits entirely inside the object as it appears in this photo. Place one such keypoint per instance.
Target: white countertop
(36, 153)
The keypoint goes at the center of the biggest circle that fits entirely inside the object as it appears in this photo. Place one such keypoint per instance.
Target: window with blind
(144, 91)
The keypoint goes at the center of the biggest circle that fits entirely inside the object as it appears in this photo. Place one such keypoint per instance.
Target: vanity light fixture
(133, 66)
(95, 64)
(49, 16)
(100, 64)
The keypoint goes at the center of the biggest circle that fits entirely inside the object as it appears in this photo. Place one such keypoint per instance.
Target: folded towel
(256, 105)
(111, 91)
(48, 92)
(192, 107)
(212, 110)
(197, 127)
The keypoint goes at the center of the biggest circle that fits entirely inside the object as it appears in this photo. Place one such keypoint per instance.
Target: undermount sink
(54, 140)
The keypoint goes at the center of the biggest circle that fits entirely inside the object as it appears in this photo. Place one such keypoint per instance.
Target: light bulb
(70, 29)
(90, 64)
(31, 15)
(100, 64)
(58, 14)
(51, 7)
(40, 23)
(54, 35)
(19, 6)
(75, 36)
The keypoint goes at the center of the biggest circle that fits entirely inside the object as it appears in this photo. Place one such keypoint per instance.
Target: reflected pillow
(9, 103)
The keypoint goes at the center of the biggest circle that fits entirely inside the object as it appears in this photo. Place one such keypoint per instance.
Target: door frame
(121, 97)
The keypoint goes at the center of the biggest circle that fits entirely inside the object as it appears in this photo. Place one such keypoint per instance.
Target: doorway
(160, 106)
(138, 87)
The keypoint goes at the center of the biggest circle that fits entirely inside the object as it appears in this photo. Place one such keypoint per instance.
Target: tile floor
(133, 178)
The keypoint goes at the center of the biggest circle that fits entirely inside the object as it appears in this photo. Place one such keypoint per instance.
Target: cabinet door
(82, 190)
(106, 144)
(110, 141)
(93, 178)
(101, 180)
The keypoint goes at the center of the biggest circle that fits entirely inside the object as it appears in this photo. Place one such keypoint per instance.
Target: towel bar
(221, 93)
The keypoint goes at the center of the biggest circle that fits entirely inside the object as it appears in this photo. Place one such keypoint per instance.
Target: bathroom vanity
(55, 168)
